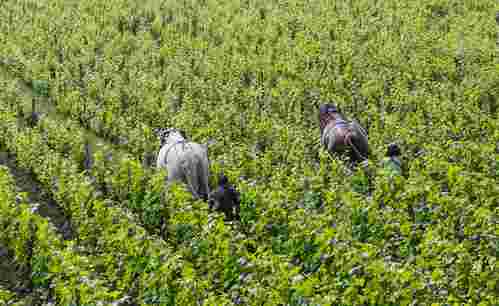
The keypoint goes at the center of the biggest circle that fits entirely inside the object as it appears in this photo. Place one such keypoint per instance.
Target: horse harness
(342, 132)
(171, 147)
(343, 135)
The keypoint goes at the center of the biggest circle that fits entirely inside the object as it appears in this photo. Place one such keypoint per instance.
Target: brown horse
(343, 136)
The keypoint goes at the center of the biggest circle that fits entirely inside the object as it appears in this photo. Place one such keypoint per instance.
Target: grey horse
(184, 161)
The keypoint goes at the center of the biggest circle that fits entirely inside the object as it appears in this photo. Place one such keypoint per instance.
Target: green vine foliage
(8, 297)
(106, 232)
(51, 263)
(250, 75)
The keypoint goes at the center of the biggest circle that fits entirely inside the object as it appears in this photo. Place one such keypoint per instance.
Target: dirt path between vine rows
(47, 108)
(10, 277)
(41, 201)
(11, 274)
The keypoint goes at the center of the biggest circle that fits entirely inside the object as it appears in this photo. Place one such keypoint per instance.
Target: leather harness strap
(171, 147)
(348, 140)
(343, 135)
(342, 129)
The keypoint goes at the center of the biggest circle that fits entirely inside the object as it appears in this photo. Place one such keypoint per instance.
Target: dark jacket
(225, 198)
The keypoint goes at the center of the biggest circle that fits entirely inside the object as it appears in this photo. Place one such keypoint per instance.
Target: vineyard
(85, 216)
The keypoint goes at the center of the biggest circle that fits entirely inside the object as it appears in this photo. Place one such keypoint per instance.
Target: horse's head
(166, 135)
(327, 113)
(328, 108)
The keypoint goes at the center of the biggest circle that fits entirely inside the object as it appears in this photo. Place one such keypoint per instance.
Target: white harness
(163, 153)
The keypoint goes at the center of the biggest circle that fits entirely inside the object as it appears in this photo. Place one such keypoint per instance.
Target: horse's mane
(327, 117)
(165, 133)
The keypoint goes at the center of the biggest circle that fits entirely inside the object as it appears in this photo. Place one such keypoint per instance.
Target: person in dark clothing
(225, 198)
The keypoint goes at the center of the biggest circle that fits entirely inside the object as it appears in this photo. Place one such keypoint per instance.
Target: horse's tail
(191, 175)
(348, 139)
(196, 175)
(203, 176)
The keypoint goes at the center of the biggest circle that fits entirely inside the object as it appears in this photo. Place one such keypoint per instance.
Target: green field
(250, 75)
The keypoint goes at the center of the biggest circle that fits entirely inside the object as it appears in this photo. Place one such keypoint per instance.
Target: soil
(9, 272)
(37, 196)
